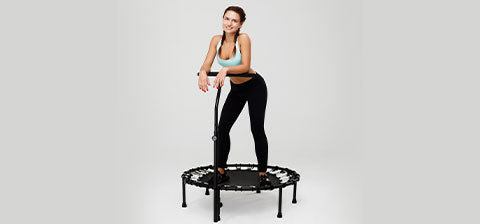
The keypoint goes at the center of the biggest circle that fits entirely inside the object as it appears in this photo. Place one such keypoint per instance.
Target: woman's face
(231, 22)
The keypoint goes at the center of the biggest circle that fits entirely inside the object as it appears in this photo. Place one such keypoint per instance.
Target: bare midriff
(240, 80)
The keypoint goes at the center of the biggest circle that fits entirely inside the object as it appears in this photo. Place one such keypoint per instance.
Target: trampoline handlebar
(231, 75)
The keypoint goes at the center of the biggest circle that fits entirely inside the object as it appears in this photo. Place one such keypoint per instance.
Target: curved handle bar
(232, 75)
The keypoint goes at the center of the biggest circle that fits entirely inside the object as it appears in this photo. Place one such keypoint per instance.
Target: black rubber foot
(294, 201)
(258, 191)
(207, 192)
(279, 215)
(184, 205)
(221, 204)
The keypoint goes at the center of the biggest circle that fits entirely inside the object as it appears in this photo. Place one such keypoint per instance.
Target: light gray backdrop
(373, 102)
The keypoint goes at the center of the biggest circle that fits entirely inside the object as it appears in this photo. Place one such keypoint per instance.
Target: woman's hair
(240, 12)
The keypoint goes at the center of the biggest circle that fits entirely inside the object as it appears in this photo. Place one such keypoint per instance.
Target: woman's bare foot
(221, 170)
(262, 173)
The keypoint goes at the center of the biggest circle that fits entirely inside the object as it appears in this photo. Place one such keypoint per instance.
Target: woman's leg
(231, 110)
(257, 103)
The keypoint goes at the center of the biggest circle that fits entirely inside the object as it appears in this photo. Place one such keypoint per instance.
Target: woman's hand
(219, 80)
(203, 81)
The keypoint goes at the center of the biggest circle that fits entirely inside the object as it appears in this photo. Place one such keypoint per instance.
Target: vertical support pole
(216, 205)
(184, 204)
(216, 209)
(294, 201)
(279, 215)
(216, 190)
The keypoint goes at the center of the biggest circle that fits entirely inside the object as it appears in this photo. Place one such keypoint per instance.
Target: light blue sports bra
(236, 59)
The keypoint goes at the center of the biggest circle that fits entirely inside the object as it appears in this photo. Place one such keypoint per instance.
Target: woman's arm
(245, 47)
(207, 64)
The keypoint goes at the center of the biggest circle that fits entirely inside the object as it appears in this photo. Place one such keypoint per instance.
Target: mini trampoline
(243, 177)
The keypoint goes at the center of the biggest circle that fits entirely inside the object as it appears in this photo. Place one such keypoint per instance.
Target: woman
(233, 53)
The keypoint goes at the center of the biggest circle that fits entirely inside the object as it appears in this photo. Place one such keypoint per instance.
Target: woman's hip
(257, 81)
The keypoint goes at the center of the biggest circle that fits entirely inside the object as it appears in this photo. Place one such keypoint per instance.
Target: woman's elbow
(247, 68)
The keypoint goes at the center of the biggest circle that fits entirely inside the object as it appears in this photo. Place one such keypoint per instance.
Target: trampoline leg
(294, 201)
(207, 192)
(279, 215)
(184, 204)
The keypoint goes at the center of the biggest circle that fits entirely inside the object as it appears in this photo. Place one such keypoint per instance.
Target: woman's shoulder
(243, 37)
(217, 38)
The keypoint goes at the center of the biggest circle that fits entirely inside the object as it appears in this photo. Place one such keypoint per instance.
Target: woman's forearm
(238, 69)
(205, 68)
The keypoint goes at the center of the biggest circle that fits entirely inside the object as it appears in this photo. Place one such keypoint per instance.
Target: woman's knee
(258, 130)
(224, 128)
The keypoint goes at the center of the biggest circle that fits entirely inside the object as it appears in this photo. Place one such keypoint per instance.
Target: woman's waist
(239, 80)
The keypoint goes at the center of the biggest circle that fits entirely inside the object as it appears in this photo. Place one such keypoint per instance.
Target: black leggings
(255, 92)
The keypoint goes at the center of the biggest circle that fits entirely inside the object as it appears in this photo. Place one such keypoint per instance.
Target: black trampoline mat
(242, 179)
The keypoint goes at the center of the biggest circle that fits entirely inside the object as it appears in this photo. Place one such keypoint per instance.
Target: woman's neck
(229, 37)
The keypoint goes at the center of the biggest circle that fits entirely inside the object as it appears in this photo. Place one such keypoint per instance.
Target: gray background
(374, 103)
